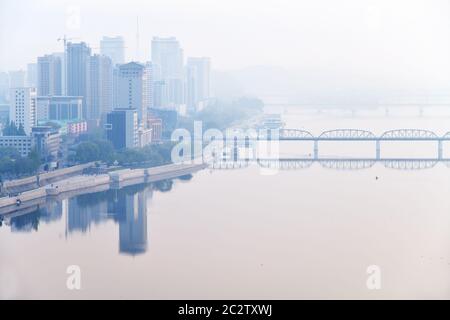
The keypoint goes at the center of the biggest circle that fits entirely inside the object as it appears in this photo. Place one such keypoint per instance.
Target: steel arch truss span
(350, 134)
(409, 164)
(295, 134)
(409, 134)
(347, 164)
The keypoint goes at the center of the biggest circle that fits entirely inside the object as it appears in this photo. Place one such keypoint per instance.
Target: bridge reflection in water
(344, 163)
(338, 164)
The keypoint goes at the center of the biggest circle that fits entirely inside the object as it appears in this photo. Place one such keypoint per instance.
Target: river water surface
(250, 233)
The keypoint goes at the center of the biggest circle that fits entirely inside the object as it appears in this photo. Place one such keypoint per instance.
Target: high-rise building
(159, 97)
(62, 57)
(22, 109)
(78, 75)
(131, 89)
(32, 75)
(115, 87)
(101, 87)
(197, 82)
(168, 57)
(114, 48)
(49, 76)
(122, 128)
(4, 87)
(191, 87)
(17, 79)
(148, 85)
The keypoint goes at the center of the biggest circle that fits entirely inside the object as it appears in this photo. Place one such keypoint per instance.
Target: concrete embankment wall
(30, 183)
(172, 171)
(20, 185)
(25, 196)
(52, 176)
(125, 174)
(77, 183)
(90, 182)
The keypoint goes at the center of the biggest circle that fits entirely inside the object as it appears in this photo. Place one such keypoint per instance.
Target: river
(250, 233)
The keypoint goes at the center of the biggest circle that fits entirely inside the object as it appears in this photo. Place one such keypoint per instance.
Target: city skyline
(371, 18)
(257, 149)
(355, 50)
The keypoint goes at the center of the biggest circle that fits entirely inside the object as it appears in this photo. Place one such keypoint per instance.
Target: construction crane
(64, 40)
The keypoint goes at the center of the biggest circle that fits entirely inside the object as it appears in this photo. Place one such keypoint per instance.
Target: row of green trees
(12, 164)
(102, 150)
(11, 129)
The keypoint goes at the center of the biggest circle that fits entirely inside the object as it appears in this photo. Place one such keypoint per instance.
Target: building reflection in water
(127, 207)
(51, 211)
(131, 210)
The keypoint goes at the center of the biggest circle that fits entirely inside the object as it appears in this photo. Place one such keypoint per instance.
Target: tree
(35, 159)
(21, 131)
(9, 152)
(106, 150)
(12, 130)
(86, 152)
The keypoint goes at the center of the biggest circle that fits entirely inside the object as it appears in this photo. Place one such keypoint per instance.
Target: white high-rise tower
(22, 109)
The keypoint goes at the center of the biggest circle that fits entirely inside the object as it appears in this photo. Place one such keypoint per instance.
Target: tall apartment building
(78, 75)
(22, 108)
(17, 79)
(4, 87)
(131, 89)
(49, 78)
(114, 48)
(62, 57)
(167, 56)
(32, 75)
(148, 85)
(197, 82)
(101, 87)
(115, 87)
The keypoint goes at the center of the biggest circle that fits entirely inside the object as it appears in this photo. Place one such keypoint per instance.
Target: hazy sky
(388, 38)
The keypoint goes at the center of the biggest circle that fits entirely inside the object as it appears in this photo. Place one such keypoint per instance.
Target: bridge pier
(378, 150)
(440, 150)
(316, 149)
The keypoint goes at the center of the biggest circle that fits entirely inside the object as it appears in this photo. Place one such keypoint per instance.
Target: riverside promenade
(82, 184)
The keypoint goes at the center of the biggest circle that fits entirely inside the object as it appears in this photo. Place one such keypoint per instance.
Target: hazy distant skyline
(369, 39)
